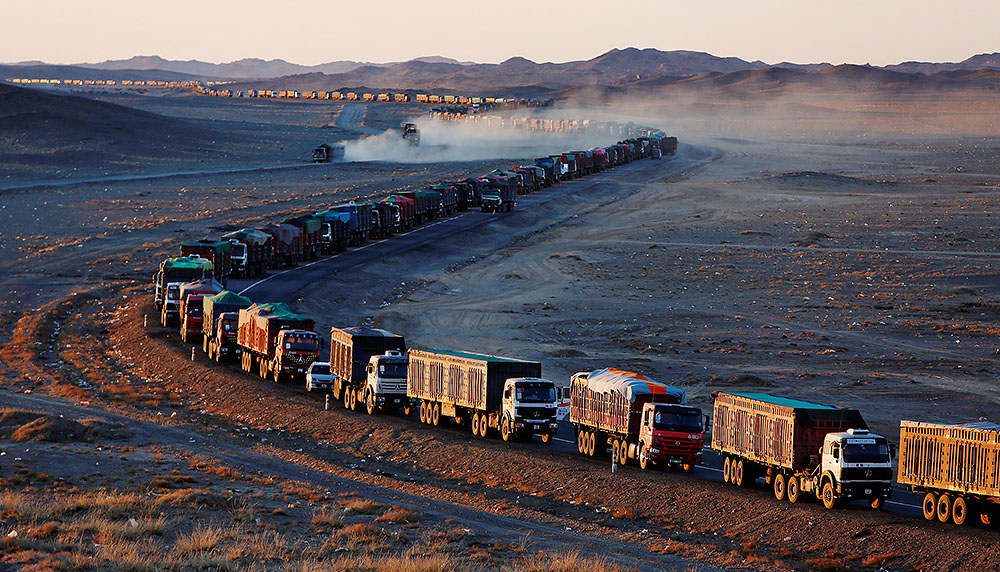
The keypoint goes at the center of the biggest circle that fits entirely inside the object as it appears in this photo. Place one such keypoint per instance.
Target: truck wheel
(877, 503)
(829, 498)
(959, 511)
(930, 506)
(422, 413)
(546, 437)
(277, 374)
(793, 489)
(354, 399)
(780, 486)
(738, 474)
(644, 462)
(436, 414)
(616, 450)
(347, 398)
(592, 443)
(727, 469)
(505, 432)
(944, 508)
(623, 453)
(581, 441)
(475, 422)
(370, 404)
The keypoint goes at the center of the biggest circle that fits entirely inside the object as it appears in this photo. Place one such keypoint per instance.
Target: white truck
(385, 386)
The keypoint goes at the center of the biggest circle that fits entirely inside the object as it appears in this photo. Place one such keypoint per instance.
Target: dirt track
(862, 276)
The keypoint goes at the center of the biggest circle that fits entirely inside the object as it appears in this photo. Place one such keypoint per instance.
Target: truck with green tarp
(220, 321)
(312, 234)
(487, 392)
(175, 271)
(335, 231)
(250, 252)
(276, 342)
(218, 252)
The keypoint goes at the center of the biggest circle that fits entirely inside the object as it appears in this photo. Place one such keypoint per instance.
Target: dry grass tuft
(194, 498)
(397, 515)
(325, 517)
(362, 506)
(200, 539)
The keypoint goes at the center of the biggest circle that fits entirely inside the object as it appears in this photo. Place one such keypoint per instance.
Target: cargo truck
(449, 198)
(250, 252)
(551, 171)
(311, 234)
(221, 318)
(335, 231)
(360, 224)
(955, 466)
(177, 270)
(668, 145)
(218, 252)
(489, 392)
(411, 134)
(276, 342)
(190, 295)
(639, 418)
(499, 195)
(287, 242)
(370, 366)
(421, 204)
(404, 212)
(800, 448)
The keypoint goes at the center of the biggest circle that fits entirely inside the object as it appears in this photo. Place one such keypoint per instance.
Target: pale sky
(311, 32)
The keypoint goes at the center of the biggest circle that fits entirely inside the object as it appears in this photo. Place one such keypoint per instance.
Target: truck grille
(535, 413)
(393, 385)
(872, 474)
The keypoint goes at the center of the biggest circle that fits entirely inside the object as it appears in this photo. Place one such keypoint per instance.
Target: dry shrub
(268, 546)
(826, 564)
(432, 563)
(303, 491)
(44, 530)
(131, 556)
(325, 517)
(200, 539)
(397, 515)
(624, 513)
(17, 505)
(171, 482)
(362, 506)
(359, 532)
(877, 559)
(194, 498)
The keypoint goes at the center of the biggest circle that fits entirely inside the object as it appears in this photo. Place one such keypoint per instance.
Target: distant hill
(47, 71)
(978, 62)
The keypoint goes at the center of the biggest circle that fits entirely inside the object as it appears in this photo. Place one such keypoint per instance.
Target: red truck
(191, 295)
(287, 242)
(219, 324)
(276, 342)
(640, 418)
(215, 251)
(311, 228)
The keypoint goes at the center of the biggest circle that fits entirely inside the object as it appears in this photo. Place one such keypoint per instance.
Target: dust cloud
(442, 141)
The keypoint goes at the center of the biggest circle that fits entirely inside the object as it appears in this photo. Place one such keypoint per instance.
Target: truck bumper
(392, 400)
(538, 427)
(662, 455)
(865, 489)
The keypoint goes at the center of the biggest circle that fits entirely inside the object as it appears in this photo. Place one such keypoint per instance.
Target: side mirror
(892, 451)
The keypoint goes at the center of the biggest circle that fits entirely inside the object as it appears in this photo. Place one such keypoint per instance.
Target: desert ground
(834, 248)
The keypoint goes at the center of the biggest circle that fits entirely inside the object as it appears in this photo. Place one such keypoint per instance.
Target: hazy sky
(853, 31)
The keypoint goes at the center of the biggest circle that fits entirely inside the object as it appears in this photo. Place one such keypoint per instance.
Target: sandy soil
(798, 254)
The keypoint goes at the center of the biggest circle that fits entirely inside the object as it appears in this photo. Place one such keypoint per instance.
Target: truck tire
(959, 511)
(944, 508)
(930, 506)
(829, 497)
(436, 414)
(505, 430)
(794, 489)
(581, 440)
(475, 422)
(727, 469)
(739, 476)
(422, 414)
(644, 462)
(370, 403)
(623, 453)
(616, 450)
(780, 486)
(347, 398)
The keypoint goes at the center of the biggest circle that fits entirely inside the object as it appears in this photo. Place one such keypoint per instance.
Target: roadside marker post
(326, 406)
(192, 354)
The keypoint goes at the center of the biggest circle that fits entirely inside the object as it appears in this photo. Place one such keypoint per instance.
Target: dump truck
(668, 145)
(491, 393)
(551, 171)
(956, 466)
(370, 365)
(335, 231)
(190, 295)
(287, 242)
(250, 253)
(218, 252)
(311, 234)
(359, 226)
(276, 342)
(387, 215)
(800, 448)
(221, 319)
(449, 198)
(639, 418)
(326, 153)
(410, 134)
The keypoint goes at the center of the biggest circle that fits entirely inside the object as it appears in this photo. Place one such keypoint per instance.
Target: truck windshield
(238, 250)
(677, 420)
(229, 325)
(535, 393)
(393, 370)
(194, 310)
(302, 343)
(866, 452)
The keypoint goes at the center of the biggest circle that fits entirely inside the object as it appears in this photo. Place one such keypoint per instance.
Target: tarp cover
(275, 309)
(185, 262)
(207, 285)
(630, 384)
(249, 235)
(309, 223)
(285, 233)
(226, 298)
(330, 216)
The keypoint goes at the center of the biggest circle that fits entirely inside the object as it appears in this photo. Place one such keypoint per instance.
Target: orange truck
(276, 342)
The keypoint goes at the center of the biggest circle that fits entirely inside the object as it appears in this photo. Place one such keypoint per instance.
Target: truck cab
(191, 314)
(385, 385)
(171, 304)
(670, 434)
(227, 326)
(857, 464)
(529, 408)
(411, 134)
(296, 349)
(238, 255)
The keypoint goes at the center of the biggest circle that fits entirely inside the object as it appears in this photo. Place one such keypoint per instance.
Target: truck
(404, 213)
(668, 145)
(449, 198)
(421, 204)
(335, 231)
(641, 419)
(410, 134)
(250, 253)
(370, 365)
(322, 153)
(172, 273)
(800, 448)
(491, 393)
(276, 342)
(177, 270)
(385, 215)
(220, 321)
(551, 171)
(956, 466)
(190, 295)
(311, 234)
(359, 226)
(218, 252)
(499, 195)
(287, 242)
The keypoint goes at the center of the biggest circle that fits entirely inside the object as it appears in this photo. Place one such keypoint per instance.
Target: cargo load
(220, 323)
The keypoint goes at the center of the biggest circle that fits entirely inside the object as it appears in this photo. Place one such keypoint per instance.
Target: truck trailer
(800, 448)
(490, 392)
(218, 252)
(370, 365)
(220, 321)
(955, 466)
(276, 342)
(250, 252)
(639, 418)
(190, 295)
